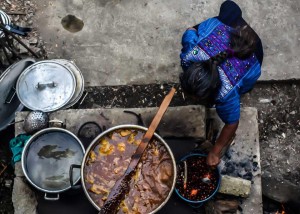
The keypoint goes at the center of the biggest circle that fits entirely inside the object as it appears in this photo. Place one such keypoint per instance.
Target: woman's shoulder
(206, 27)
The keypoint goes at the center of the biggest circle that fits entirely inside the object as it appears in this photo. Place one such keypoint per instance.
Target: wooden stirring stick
(121, 187)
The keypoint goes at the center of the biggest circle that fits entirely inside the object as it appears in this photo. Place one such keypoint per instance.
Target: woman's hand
(213, 159)
(222, 144)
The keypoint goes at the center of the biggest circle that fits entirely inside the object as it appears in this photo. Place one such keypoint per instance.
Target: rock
(23, 197)
(22, 49)
(221, 206)
(281, 191)
(8, 183)
(264, 100)
(280, 181)
(235, 186)
(33, 41)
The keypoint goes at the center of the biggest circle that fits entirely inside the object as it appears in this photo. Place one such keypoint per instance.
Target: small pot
(47, 157)
(96, 141)
(200, 202)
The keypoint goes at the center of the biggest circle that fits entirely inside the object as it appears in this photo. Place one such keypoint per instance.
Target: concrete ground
(138, 41)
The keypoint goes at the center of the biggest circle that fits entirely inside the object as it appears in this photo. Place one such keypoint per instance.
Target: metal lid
(10, 104)
(79, 81)
(46, 86)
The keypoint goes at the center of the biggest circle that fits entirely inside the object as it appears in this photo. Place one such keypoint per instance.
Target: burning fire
(207, 176)
(283, 210)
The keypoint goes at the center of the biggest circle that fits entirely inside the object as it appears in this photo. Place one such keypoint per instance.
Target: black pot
(199, 203)
(46, 160)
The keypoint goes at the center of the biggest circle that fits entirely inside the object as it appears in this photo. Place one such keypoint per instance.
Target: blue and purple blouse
(237, 76)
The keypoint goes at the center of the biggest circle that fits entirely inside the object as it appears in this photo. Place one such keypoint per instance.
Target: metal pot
(9, 103)
(47, 157)
(96, 141)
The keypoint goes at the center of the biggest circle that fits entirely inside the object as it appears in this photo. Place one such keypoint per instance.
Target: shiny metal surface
(46, 159)
(79, 81)
(8, 80)
(5, 21)
(46, 86)
(96, 141)
(35, 121)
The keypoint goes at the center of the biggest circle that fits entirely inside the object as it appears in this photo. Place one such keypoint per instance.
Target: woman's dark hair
(202, 79)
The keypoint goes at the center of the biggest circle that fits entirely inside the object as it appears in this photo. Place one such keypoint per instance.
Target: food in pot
(108, 161)
(197, 169)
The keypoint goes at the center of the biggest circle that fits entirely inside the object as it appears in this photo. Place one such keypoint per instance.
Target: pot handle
(54, 123)
(196, 206)
(71, 175)
(46, 197)
(11, 95)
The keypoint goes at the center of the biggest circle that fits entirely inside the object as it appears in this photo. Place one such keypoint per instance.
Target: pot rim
(120, 127)
(31, 140)
(216, 190)
(28, 69)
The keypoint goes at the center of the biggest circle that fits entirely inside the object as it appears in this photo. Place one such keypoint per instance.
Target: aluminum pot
(47, 157)
(96, 141)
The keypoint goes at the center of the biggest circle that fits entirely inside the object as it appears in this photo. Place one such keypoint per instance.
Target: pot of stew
(109, 155)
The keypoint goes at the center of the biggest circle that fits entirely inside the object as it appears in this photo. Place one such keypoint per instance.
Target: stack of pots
(50, 85)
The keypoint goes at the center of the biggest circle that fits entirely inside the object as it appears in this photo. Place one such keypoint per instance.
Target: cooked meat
(121, 147)
(98, 189)
(125, 132)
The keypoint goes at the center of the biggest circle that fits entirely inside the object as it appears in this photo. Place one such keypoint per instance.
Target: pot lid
(46, 86)
(47, 158)
(10, 104)
(79, 81)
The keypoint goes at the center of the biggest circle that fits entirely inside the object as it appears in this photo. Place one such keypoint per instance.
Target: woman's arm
(223, 141)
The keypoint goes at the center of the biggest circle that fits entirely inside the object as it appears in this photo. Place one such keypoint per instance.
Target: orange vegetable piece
(194, 192)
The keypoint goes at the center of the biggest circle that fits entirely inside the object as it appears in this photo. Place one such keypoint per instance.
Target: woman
(221, 59)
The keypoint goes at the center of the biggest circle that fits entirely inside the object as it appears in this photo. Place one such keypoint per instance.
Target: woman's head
(202, 79)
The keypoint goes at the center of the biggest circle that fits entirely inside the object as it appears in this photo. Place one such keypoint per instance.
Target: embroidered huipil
(237, 76)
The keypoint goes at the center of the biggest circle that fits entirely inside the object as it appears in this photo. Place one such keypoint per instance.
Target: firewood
(221, 207)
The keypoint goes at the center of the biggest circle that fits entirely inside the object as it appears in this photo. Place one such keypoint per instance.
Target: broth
(108, 161)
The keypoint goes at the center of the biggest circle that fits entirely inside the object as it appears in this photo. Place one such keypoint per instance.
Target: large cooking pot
(46, 160)
(107, 133)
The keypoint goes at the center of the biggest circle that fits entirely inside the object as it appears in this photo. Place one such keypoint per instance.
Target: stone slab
(246, 148)
(183, 121)
(138, 41)
(235, 186)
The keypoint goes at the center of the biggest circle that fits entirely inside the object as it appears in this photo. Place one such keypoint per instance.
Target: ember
(283, 210)
(195, 189)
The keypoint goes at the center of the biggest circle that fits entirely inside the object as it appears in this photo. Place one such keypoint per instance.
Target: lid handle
(44, 85)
